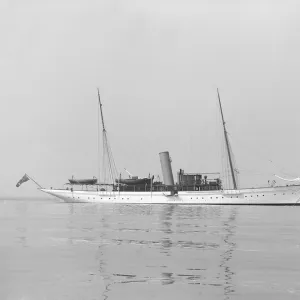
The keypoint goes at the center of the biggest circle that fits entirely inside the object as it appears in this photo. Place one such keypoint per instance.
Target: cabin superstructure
(198, 181)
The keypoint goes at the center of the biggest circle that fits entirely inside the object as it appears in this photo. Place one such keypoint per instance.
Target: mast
(108, 160)
(227, 145)
(100, 104)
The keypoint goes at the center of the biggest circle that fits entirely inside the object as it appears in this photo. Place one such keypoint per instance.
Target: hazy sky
(157, 64)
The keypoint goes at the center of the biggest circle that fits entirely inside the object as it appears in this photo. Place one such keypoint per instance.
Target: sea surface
(55, 250)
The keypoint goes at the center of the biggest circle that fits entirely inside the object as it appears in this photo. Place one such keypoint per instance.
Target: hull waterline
(260, 196)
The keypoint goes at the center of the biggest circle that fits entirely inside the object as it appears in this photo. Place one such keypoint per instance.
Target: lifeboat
(85, 181)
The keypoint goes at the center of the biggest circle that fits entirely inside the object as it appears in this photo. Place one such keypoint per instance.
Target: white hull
(286, 195)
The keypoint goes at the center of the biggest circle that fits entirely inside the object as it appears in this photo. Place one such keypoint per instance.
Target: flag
(22, 180)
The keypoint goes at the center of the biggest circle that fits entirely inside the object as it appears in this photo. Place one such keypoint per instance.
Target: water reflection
(22, 210)
(71, 208)
(165, 244)
(100, 257)
(70, 225)
(166, 228)
(88, 251)
(229, 227)
(22, 236)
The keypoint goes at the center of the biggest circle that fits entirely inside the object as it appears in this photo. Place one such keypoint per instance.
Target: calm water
(53, 250)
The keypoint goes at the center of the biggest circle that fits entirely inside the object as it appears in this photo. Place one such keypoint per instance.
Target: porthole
(210, 197)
